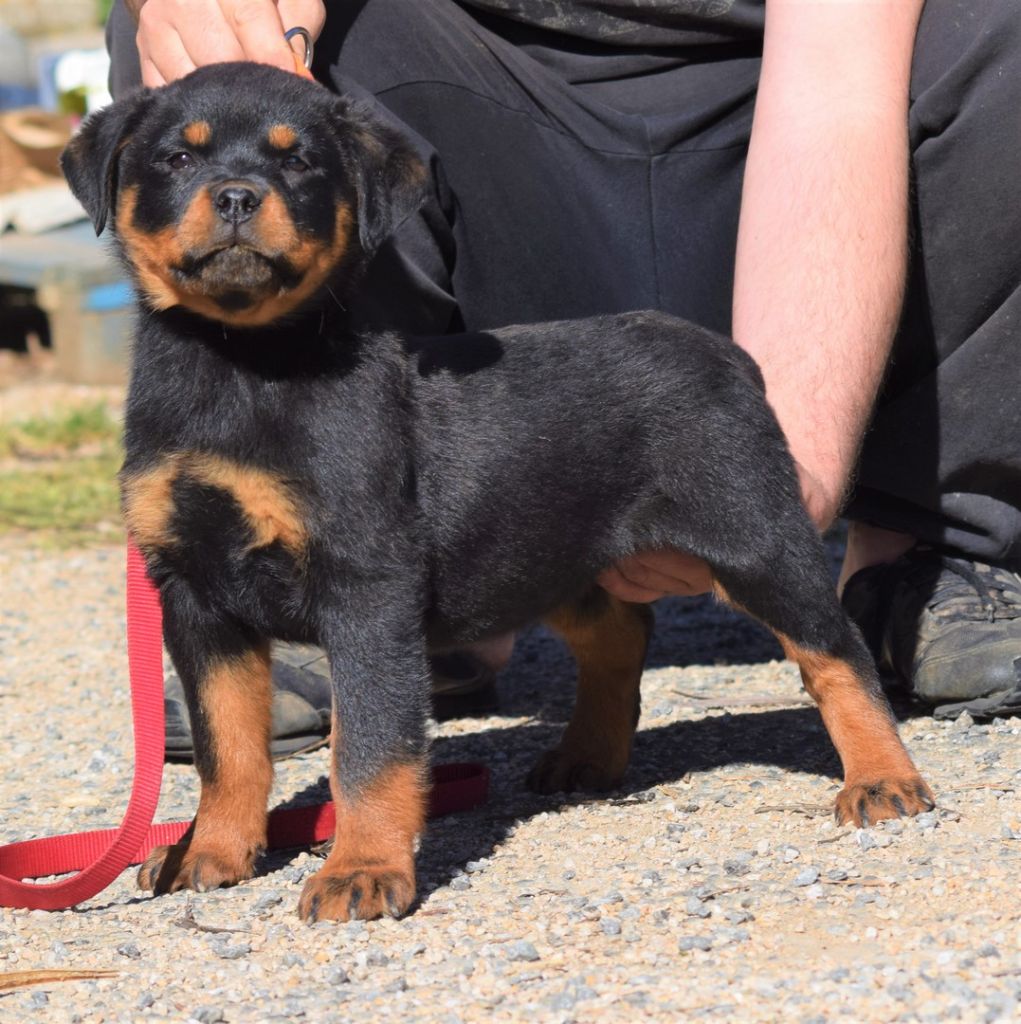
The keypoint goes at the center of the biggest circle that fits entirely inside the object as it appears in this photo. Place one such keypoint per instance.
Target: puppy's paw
(563, 770)
(189, 866)
(357, 892)
(864, 803)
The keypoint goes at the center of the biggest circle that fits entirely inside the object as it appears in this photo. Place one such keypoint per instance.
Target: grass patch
(58, 477)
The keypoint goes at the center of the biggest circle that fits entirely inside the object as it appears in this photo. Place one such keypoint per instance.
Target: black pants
(572, 177)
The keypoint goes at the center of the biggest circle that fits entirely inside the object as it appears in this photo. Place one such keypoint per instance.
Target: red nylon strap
(101, 855)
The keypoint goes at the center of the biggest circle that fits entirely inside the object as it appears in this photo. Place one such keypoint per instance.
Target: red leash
(101, 856)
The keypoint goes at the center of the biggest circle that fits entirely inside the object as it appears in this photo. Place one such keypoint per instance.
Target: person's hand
(177, 36)
(650, 575)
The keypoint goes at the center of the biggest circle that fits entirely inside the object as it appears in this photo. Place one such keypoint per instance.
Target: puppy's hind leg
(792, 594)
(608, 639)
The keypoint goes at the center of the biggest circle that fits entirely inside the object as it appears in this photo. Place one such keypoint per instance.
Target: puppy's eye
(180, 161)
(293, 162)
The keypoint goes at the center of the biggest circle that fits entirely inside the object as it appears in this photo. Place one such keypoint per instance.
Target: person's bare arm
(177, 36)
(822, 243)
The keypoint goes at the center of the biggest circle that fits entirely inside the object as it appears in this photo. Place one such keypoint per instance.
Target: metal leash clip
(306, 37)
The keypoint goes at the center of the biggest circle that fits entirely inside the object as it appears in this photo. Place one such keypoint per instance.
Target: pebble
(231, 952)
(209, 1015)
(521, 950)
(807, 876)
(696, 908)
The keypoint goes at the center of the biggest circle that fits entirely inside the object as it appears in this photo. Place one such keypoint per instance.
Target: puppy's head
(241, 191)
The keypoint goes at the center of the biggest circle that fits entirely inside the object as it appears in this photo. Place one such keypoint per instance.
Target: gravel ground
(714, 885)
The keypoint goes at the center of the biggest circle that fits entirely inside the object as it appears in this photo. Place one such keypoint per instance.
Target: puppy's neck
(318, 341)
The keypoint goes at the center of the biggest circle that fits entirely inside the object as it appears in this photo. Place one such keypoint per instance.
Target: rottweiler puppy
(287, 477)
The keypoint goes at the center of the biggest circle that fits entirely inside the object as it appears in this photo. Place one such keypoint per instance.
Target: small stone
(267, 900)
(209, 1015)
(521, 949)
(866, 840)
(130, 950)
(807, 876)
(962, 723)
(739, 916)
(927, 820)
(686, 943)
(728, 936)
(461, 883)
(790, 853)
(836, 875)
(987, 950)
(561, 1000)
(696, 908)
(610, 926)
(38, 1000)
(375, 957)
(338, 976)
(225, 952)
(145, 1000)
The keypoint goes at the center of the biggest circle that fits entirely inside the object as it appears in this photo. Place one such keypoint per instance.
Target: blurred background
(65, 307)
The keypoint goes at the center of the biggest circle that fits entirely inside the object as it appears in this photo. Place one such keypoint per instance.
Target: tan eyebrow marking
(198, 133)
(282, 136)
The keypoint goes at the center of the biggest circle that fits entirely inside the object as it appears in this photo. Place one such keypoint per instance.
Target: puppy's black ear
(90, 160)
(388, 175)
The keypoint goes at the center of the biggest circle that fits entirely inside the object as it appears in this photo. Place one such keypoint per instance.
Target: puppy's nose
(236, 203)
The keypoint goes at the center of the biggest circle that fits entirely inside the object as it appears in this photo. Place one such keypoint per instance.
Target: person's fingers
(659, 573)
(151, 76)
(213, 41)
(616, 583)
(259, 30)
(308, 14)
(176, 36)
(162, 55)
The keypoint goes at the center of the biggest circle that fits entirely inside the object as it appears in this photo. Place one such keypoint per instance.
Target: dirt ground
(713, 885)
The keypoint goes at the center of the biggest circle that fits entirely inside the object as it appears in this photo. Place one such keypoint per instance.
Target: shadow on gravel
(791, 739)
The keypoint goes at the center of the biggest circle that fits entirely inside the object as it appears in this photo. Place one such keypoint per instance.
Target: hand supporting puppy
(650, 575)
(177, 36)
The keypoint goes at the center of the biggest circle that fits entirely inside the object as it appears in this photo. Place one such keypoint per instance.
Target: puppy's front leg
(378, 774)
(226, 679)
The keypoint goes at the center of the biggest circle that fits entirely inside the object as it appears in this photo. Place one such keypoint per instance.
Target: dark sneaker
(948, 630)
(463, 687)
(300, 712)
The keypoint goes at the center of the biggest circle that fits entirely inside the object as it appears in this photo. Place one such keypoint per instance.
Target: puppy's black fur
(289, 478)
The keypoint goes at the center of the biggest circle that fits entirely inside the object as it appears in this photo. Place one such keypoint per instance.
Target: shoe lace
(997, 594)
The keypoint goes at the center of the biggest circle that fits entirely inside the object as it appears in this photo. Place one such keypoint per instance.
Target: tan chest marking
(267, 502)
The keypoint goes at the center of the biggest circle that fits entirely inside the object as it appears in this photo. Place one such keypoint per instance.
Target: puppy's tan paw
(866, 802)
(357, 892)
(188, 866)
